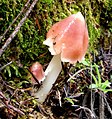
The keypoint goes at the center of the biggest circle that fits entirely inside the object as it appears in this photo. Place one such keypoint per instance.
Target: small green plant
(69, 100)
(103, 86)
(98, 84)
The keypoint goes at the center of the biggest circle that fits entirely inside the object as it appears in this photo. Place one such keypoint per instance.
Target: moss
(27, 45)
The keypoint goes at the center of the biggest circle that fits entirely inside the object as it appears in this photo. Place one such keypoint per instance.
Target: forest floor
(83, 91)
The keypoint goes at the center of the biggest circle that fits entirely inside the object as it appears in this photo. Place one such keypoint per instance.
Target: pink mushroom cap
(37, 70)
(69, 38)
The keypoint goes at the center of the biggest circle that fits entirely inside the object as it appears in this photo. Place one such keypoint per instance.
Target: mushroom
(37, 71)
(68, 42)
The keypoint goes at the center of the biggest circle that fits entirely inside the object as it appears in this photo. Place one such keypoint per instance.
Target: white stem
(52, 72)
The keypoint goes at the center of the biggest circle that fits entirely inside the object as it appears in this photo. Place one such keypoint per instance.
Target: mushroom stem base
(52, 72)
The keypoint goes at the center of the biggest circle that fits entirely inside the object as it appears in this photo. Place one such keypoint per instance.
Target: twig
(84, 103)
(72, 76)
(92, 103)
(8, 41)
(101, 106)
(92, 96)
(66, 92)
(26, 5)
(5, 102)
(86, 109)
(2, 96)
(1, 68)
(108, 107)
(59, 97)
(15, 109)
(91, 88)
